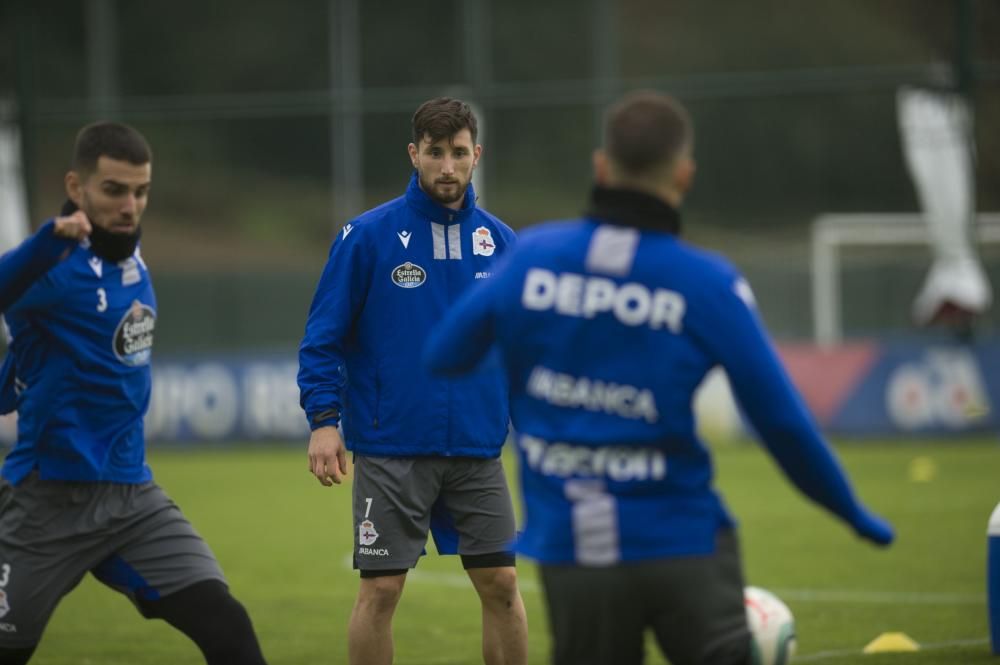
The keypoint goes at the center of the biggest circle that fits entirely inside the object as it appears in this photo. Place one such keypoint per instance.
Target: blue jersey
(391, 275)
(81, 339)
(607, 325)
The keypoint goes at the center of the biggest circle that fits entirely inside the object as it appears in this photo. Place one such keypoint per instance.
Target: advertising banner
(856, 390)
(226, 400)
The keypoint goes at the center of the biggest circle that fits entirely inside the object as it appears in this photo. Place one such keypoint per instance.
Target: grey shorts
(693, 605)
(463, 500)
(133, 538)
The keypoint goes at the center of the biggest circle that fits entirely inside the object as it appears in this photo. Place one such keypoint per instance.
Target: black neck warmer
(627, 207)
(110, 246)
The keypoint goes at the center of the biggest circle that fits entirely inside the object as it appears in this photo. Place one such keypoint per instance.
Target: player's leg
(15, 656)
(595, 615)
(168, 571)
(392, 499)
(695, 606)
(475, 493)
(369, 633)
(505, 623)
(45, 548)
(212, 618)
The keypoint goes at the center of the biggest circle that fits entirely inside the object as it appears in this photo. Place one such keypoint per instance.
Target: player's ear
(74, 187)
(684, 173)
(601, 167)
(477, 154)
(412, 150)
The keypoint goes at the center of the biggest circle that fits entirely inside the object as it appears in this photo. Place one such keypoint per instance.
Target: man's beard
(430, 189)
(110, 246)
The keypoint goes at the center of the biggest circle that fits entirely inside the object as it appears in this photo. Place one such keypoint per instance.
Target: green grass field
(285, 543)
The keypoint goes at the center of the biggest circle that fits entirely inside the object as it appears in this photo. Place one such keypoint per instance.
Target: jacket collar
(629, 207)
(433, 210)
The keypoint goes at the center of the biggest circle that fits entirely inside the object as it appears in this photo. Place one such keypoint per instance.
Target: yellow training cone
(922, 470)
(891, 642)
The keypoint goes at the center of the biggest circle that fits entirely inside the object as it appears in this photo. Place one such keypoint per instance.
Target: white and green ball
(771, 625)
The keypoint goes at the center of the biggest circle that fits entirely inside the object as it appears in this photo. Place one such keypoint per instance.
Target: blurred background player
(76, 493)
(425, 448)
(607, 324)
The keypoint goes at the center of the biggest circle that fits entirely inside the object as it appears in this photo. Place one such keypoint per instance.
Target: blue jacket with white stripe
(391, 275)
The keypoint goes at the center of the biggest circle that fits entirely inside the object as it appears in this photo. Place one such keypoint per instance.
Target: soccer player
(426, 450)
(76, 494)
(606, 325)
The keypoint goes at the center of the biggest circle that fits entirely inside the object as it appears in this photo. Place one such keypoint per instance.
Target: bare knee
(496, 586)
(378, 596)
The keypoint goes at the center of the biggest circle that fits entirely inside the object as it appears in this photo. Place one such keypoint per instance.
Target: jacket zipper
(378, 395)
(447, 237)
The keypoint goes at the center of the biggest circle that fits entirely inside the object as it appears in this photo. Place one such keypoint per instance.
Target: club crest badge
(367, 535)
(408, 276)
(482, 242)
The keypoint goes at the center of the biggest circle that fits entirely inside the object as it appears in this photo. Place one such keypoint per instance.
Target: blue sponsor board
(226, 399)
(921, 388)
(908, 389)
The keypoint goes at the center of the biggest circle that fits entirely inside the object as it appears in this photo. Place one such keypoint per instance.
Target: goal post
(833, 231)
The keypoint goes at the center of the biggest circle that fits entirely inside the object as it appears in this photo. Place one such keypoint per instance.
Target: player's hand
(327, 457)
(872, 527)
(74, 227)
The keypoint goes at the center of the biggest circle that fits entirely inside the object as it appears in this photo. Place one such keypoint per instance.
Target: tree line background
(272, 123)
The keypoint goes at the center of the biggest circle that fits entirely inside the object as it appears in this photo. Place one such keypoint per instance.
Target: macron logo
(96, 265)
(347, 230)
(404, 237)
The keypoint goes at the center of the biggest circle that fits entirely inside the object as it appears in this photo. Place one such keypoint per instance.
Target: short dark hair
(109, 139)
(646, 130)
(442, 118)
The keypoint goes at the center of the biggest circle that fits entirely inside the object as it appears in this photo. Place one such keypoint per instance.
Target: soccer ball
(772, 627)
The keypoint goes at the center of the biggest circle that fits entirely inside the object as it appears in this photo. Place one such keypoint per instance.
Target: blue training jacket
(77, 370)
(391, 275)
(607, 325)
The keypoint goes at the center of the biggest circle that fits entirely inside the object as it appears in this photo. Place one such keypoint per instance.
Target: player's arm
(728, 325)
(464, 336)
(22, 266)
(340, 295)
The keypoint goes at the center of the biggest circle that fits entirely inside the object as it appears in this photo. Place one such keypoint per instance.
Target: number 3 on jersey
(102, 300)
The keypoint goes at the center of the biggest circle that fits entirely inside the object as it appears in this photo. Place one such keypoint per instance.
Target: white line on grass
(450, 579)
(444, 578)
(459, 580)
(879, 597)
